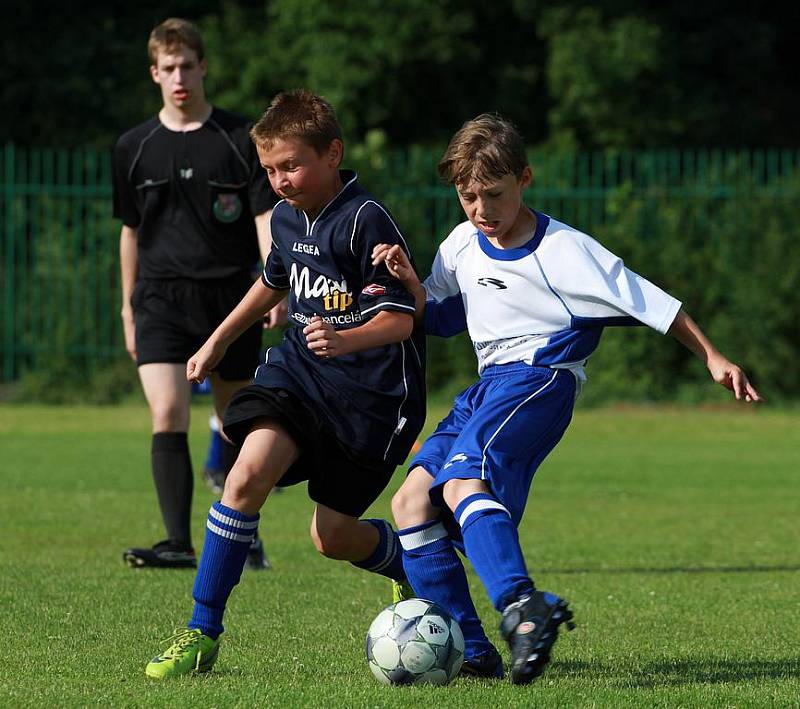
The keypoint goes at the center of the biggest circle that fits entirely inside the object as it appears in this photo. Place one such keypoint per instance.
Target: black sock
(172, 474)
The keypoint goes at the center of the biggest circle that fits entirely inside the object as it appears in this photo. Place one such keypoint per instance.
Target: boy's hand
(322, 339)
(204, 360)
(396, 261)
(731, 376)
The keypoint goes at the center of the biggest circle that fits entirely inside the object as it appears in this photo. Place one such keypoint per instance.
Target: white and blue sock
(437, 574)
(387, 559)
(228, 537)
(492, 545)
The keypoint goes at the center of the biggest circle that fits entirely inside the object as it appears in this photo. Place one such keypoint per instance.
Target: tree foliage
(591, 74)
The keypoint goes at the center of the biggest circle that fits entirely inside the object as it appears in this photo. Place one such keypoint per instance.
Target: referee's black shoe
(164, 555)
(256, 557)
(530, 626)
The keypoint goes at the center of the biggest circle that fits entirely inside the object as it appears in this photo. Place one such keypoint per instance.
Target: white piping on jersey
(266, 361)
(271, 284)
(552, 290)
(139, 151)
(389, 302)
(416, 353)
(508, 418)
(310, 228)
(400, 407)
(230, 142)
(388, 216)
(477, 506)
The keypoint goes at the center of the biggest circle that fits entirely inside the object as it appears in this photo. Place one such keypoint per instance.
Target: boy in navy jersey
(340, 401)
(534, 295)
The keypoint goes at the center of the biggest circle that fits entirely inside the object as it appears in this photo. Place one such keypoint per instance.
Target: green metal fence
(59, 247)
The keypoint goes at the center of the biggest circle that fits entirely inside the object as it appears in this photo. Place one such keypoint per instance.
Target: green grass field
(673, 533)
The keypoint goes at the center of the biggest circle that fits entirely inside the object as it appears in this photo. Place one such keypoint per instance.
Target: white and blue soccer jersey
(373, 400)
(544, 303)
(535, 313)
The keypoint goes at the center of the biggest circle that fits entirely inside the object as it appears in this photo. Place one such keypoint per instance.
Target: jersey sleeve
(381, 291)
(597, 288)
(444, 305)
(124, 193)
(274, 274)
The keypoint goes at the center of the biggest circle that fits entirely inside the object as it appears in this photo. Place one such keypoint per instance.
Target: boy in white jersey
(534, 295)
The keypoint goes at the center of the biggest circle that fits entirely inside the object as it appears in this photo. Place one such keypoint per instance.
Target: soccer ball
(414, 641)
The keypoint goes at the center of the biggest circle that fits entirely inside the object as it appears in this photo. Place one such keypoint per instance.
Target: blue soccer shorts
(499, 430)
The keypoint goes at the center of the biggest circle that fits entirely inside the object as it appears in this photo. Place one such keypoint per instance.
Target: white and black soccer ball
(414, 641)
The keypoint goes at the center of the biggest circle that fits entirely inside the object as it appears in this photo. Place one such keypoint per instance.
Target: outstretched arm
(722, 370)
(400, 267)
(258, 300)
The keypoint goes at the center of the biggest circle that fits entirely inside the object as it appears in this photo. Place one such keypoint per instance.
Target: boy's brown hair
(484, 149)
(298, 114)
(172, 34)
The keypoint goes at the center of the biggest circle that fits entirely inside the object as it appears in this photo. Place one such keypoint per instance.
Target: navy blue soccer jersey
(372, 400)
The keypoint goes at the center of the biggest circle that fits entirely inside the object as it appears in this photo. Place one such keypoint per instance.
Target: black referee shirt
(192, 197)
(373, 400)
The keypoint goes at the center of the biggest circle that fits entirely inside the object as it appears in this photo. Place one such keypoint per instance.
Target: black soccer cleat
(256, 558)
(164, 555)
(530, 626)
(487, 665)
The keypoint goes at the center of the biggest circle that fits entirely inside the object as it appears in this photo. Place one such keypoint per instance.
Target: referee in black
(195, 205)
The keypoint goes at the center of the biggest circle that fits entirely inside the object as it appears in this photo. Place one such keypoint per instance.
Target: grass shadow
(670, 673)
(675, 569)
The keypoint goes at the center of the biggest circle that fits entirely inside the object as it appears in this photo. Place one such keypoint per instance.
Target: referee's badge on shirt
(228, 207)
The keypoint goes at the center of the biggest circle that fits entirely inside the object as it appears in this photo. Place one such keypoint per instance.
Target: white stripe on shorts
(508, 418)
(477, 506)
(415, 540)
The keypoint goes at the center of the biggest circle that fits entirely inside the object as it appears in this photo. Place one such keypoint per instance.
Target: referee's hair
(172, 34)
(298, 114)
(484, 149)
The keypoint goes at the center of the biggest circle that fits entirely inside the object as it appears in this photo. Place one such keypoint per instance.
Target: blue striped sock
(492, 545)
(228, 537)
(387, 559)
(437, 574)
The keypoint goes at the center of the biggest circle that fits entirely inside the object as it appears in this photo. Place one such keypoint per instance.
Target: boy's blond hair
(172, 34)
(298, 114)
(484, 149)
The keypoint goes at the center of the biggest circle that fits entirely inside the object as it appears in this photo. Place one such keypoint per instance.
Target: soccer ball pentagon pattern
(414, 641)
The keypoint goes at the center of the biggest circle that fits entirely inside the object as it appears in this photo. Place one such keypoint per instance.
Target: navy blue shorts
(338, 477)
(499, 430)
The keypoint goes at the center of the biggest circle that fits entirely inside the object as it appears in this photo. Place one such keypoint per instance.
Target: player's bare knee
(455, 490)
(246, 482)
(409, 506)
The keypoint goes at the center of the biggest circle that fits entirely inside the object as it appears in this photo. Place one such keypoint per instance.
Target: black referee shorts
(338, 477)
(175, 317)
